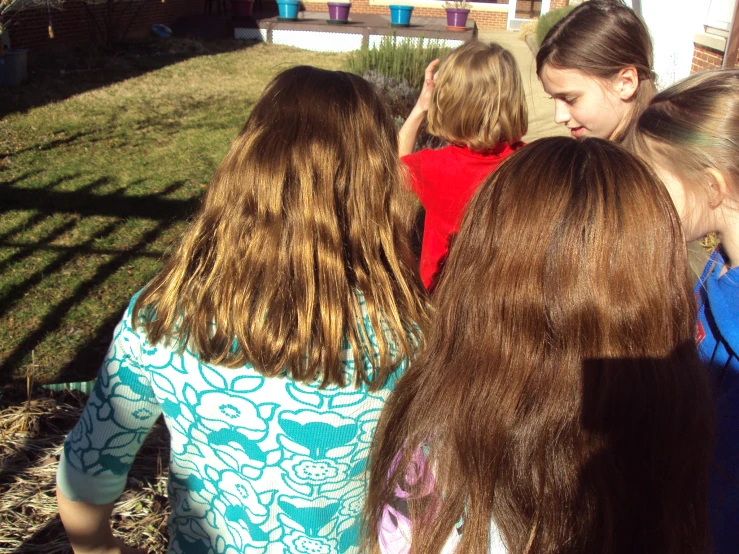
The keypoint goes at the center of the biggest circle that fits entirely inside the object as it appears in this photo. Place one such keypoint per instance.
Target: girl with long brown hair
(559, 406)
(596, 64)
(690, 134)
(269, 341)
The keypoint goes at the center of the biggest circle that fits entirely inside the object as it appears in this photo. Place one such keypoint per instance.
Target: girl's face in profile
(588, 106)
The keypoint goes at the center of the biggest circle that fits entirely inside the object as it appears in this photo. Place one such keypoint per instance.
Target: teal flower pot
(400, 16)
(288, 9)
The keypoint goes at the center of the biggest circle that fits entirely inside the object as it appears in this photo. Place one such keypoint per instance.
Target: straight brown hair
(300, 244)
(560, 395)
(600, 38)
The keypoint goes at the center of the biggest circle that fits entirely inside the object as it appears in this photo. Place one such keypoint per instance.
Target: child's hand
(131, 550)
(409, 131)
(116, 546)
(429, 82)
(125, 549)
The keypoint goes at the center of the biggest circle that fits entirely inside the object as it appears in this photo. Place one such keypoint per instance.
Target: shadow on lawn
(83, 202)
(56, 77)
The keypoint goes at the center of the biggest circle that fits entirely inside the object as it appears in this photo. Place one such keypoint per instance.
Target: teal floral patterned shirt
(257, 464)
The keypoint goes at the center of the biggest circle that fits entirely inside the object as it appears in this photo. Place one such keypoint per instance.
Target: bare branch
(10, 8)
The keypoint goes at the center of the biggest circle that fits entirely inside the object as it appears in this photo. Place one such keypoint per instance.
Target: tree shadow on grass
(56, 77)
(46, 201)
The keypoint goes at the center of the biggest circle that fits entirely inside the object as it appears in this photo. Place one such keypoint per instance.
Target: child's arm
(99, 451)
(409, 131)
(88, 527)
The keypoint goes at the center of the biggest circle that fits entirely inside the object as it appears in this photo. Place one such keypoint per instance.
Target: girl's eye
(570, 101)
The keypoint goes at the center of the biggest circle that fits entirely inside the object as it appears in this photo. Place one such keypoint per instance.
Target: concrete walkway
(541, 107)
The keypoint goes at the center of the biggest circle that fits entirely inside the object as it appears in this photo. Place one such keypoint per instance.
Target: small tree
(109, 21)
(9, 10)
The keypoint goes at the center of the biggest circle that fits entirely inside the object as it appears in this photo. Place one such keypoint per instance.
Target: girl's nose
(561, 113)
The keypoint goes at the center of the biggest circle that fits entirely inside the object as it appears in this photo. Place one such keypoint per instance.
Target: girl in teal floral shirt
(270, 340)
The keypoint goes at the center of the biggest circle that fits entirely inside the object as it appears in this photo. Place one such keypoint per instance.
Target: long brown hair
(560, 393)
(300, 242)
(694, 126)
(600, 38)
(479, 98)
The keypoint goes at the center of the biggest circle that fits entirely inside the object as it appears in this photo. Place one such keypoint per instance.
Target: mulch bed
(33, 426)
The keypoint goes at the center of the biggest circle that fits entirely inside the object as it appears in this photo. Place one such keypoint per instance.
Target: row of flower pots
(456, 15)
(338, 12)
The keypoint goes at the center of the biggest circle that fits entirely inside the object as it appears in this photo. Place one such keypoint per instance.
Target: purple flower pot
(456, 19)
(241, 8)
(339, 11)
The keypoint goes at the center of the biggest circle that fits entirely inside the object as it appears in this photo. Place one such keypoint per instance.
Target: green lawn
(96, 188)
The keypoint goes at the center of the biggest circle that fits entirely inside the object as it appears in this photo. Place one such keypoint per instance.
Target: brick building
(80, 22)
(76, 23)
(716, 46)
(709, 52)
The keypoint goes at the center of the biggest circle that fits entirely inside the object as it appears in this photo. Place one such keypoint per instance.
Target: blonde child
(559, 405)
(596, 64)
(269, 341)
(690, 133)
(476, 104)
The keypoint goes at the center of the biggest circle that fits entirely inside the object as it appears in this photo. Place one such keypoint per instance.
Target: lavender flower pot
(338, 11)
(456, 19)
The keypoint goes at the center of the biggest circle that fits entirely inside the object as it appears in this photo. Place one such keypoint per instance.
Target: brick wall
(528, 9)
(484, 20)
(73, 26)
(554, 4)
(706, 58)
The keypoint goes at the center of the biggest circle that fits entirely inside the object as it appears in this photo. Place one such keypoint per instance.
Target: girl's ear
(716, 187)
(626, 83)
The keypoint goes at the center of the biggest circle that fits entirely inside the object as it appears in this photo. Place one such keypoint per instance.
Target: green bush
(548, 20)
(403, 60)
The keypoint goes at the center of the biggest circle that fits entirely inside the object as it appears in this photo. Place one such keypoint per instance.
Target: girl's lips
(577, 132)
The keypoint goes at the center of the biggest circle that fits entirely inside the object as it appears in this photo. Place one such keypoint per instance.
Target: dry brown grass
(710, 242)
(32, 431)
(527, 28)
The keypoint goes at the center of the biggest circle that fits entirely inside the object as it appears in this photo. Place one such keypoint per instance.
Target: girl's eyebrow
(563, 93)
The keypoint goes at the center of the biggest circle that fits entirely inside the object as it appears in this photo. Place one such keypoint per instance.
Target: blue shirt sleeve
(120, 412)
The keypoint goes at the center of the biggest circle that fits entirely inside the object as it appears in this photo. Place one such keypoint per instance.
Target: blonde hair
(694, 126)
(600, 38)
(299, 246)
(479, 99)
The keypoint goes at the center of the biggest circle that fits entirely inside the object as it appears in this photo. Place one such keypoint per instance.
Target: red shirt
(445, 180)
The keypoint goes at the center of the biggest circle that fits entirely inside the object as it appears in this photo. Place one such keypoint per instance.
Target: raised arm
(409, 131)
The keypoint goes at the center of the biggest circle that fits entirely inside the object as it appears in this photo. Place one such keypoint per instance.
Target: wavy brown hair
(478, 100)
(300, 237)
(693, 126)
(560, 394)
(600, 38)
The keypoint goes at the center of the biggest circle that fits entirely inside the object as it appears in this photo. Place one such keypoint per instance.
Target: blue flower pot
(288, 9)
(400, 16)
